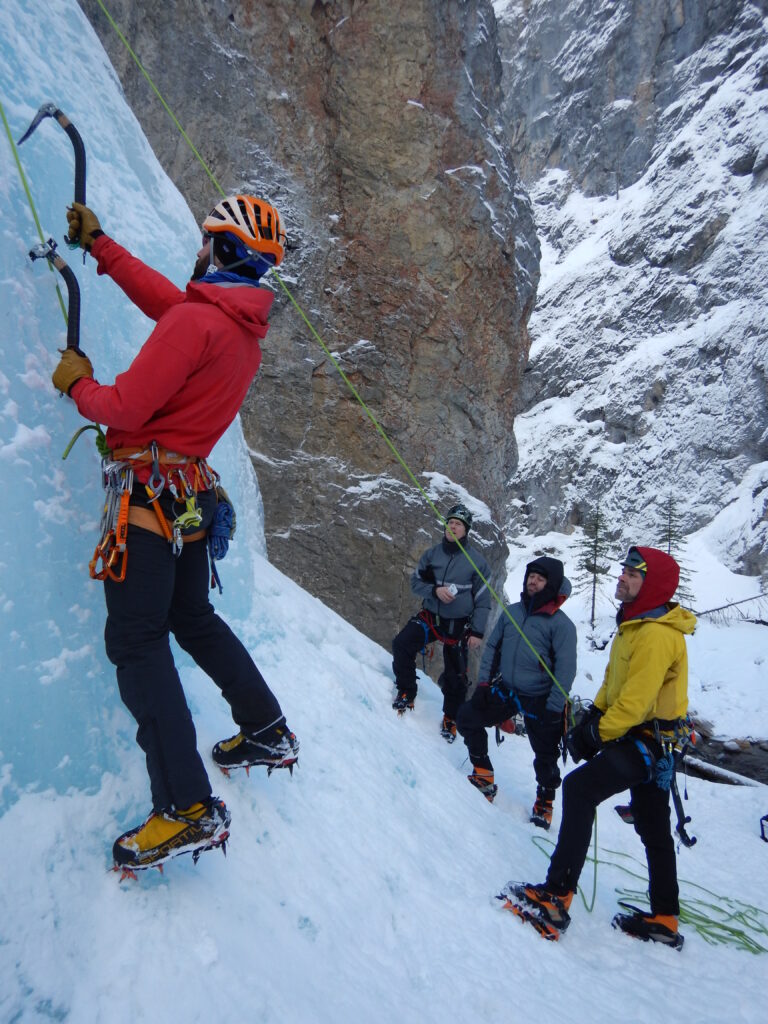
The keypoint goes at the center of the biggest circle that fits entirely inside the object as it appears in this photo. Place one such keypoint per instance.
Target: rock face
(589, 86)
(374, 127)
(642, 135)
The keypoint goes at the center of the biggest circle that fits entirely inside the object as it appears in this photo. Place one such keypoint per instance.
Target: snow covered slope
(360, 890)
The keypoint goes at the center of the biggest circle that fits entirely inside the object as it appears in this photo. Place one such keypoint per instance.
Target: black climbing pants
(412, 638)
(489, 707)
(163, 594)
(617, 767)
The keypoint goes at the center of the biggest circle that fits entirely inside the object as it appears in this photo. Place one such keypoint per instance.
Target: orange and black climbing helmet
(253, 221)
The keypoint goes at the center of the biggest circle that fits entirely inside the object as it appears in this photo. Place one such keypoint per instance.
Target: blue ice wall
(61, 721)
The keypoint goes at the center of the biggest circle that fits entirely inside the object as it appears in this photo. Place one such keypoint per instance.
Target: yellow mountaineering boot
(167, 834)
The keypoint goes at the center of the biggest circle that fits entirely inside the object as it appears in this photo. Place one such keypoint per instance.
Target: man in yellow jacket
(636, 715)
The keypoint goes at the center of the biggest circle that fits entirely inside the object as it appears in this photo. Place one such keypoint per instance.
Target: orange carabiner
(118, 575)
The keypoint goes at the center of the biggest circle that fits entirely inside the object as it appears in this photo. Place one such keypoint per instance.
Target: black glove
(584, 739)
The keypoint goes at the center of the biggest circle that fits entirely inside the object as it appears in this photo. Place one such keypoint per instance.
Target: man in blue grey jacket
(512, 679)
(455, 606)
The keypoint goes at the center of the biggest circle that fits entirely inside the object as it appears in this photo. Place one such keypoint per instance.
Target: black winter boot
(276, 747)
(403, 702)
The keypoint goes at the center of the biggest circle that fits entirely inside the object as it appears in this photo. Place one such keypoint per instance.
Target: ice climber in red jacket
(163, 415)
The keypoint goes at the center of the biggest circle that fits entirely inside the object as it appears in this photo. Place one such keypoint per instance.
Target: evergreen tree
(591, 556)
(674, 541)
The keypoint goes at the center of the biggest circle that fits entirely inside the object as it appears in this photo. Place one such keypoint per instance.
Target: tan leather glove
(70, 369)
(84, 225)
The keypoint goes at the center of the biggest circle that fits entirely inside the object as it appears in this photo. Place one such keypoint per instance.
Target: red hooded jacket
(647, 673)
(190, 377)
(659, 585)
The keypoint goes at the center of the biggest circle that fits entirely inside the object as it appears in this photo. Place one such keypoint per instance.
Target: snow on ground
(361, 888)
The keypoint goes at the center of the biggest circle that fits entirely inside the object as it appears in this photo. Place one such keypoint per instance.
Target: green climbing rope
(720, 920)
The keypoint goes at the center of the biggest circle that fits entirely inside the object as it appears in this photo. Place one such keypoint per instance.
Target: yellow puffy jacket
(647, 673)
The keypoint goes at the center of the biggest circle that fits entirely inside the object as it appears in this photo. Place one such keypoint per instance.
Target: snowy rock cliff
(641, 131)
(376, 130)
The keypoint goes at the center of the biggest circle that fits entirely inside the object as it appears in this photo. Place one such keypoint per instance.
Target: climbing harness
(429, 623)
(503, 692)
(514, 725)
(190, 474)
(673, 738)
(184, 476)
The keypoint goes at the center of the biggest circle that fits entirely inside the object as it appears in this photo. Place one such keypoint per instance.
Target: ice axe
(51, 110)
(47, 250)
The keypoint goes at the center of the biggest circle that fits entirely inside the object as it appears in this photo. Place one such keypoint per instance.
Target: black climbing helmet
(460, 512)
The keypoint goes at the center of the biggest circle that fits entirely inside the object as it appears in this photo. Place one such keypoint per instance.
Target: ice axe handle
(79, 148)
(48, 251)
(73, 308)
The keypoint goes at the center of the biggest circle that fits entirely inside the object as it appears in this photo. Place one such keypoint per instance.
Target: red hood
(552, 606)
(658, 587)
(247, 305)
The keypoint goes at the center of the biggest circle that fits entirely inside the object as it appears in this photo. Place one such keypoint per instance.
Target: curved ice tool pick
(47, 250)
(51, 110)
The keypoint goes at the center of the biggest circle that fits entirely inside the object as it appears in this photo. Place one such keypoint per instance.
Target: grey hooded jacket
(551, 633)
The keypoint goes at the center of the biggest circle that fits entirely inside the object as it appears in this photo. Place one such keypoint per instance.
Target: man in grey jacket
(455, 606)
(512, 679)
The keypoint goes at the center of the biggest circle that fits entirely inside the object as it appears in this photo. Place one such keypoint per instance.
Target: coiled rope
(720, 920)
